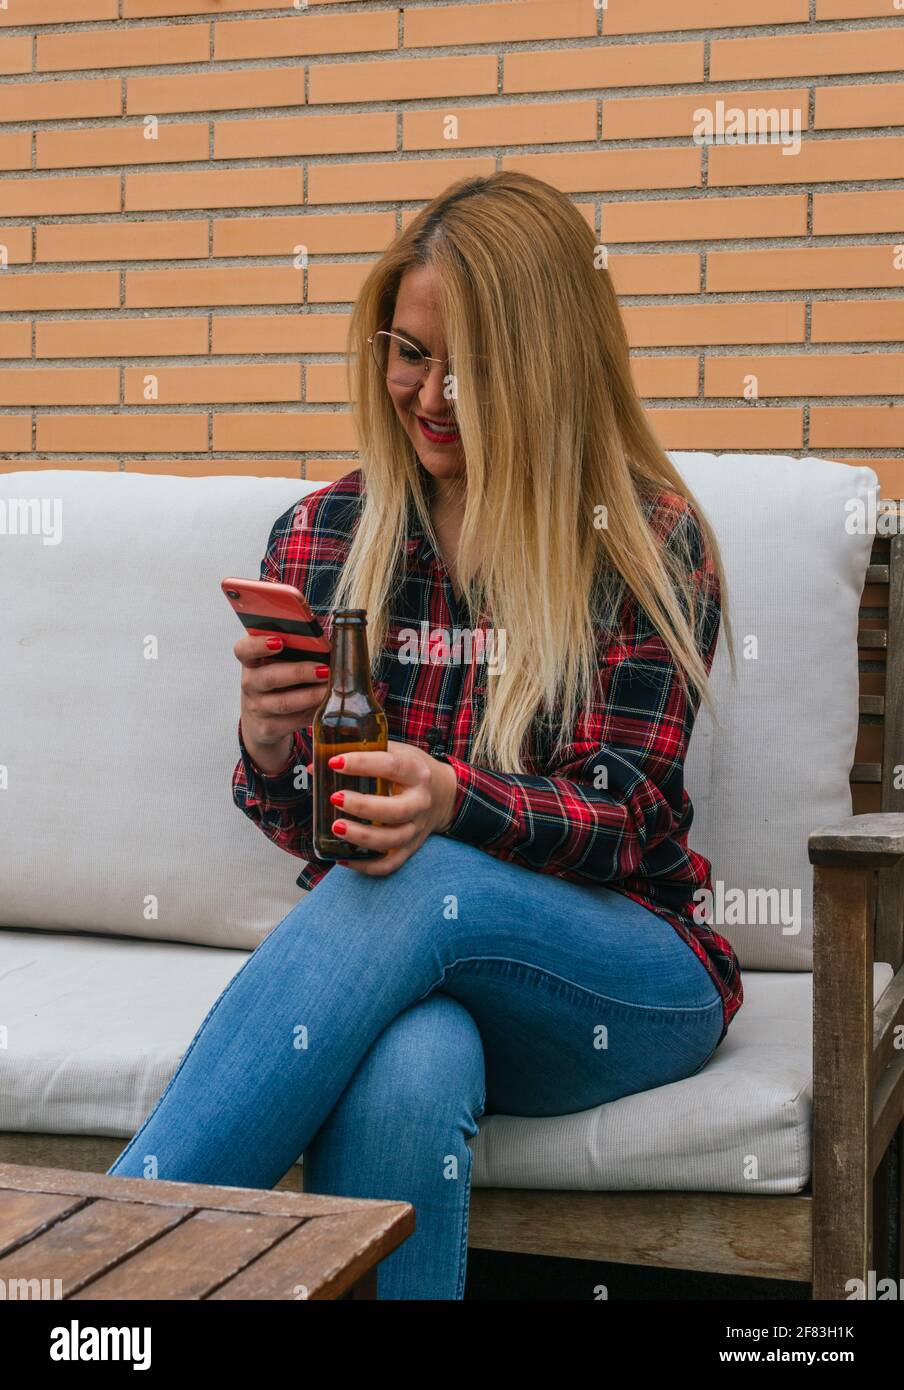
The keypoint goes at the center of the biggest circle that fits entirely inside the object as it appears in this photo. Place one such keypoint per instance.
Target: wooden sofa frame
(849, 1221)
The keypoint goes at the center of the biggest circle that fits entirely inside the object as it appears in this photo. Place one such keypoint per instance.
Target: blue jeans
(383, 1016)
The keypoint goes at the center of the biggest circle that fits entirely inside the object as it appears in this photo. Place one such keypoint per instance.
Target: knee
(427, 1064)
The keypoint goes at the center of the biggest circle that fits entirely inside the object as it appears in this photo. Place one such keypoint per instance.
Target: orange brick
(817, 374)
(71, 149)
(385, 182)
(740, 430)
(890, 473)
(166, 9)
(857, 321)
(851, 9)
(337, 284)
(57, 197)
(88, 289)
(658, 167)
(122, 241)
(54, 101)
(635, 118)
(866, 104)
(80, 465)
(160, 289)
(15, 245)
(656, 378)
(15, 55)
(217, 468)
(789, 268)
(705, 218)
(320, 233)
(663, 16)
(32, 12)
(405, 80)
(300, 135)
(527, 124)
(806, 55)
(295, 432)
(500, 23)
(662, 273)
(857, 427)
(819, 161)
(15, 150)
(113, 434)
(15, 339)
(59, 386)
(837, 213)
(301, 35)
(282, 333)
(15, 434)
(129, 48)
(617, 65)
(215, 91)
(199, 385)
(122, 337)
(213, 188)
(326, 382)
(328, 470)
(689, 324)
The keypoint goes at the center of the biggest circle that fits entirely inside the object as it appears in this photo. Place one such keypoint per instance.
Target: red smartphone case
(265, 607)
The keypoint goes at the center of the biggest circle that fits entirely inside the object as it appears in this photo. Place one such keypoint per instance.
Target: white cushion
(779, 765)
(120, 767)
(97, 1027)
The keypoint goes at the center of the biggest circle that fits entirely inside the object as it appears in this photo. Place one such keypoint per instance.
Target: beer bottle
(350, 720)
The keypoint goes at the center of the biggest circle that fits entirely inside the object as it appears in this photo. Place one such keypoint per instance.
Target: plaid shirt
(631, 836)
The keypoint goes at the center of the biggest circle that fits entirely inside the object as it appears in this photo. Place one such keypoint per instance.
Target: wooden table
(105, 1237)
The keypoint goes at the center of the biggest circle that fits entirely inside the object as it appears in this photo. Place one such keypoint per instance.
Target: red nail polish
(321, 672)
(275, 643)
(339, 827)
(337, 762)
(337, 798)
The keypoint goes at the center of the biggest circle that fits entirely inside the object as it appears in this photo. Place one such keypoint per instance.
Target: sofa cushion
(120, 758)
(96, 1028)
(778, 765)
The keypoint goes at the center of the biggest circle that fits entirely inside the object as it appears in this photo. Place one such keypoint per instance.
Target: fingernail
(275, 643)
(337, 761)
(337, 798)
(339, 827)
(321, 672)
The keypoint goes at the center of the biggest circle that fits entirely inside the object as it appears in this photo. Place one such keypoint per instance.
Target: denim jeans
(383, 1016)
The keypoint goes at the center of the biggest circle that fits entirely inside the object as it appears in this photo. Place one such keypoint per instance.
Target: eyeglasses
(400, 361)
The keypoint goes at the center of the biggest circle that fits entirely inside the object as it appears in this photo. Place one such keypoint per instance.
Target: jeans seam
(659, 1010)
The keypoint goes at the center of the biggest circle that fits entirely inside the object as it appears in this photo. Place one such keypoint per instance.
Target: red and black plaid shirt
(631, 836)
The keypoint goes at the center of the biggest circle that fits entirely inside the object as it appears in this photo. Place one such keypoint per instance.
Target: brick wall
(164, 162)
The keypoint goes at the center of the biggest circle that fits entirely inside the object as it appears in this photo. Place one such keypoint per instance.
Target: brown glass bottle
(350, 720)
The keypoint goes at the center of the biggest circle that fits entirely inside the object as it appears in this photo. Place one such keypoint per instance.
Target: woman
(532, 941)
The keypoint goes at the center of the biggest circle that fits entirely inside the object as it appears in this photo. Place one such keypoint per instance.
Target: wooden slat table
(136, 1238)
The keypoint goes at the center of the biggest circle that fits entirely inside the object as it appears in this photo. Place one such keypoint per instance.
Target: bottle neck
(350, 665)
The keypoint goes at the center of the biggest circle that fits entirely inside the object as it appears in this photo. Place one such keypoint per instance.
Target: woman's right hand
(278, 697)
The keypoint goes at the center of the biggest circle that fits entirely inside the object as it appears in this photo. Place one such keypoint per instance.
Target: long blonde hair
(551, 429)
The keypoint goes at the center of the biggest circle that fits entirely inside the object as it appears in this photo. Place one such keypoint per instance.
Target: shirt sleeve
(280, 803)
(617, 789)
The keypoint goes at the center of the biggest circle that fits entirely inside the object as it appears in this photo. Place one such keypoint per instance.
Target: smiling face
(424, 411)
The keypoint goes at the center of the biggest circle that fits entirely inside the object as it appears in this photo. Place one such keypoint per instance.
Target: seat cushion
(97, 1026)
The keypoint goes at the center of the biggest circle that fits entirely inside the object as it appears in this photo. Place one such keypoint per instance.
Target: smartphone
(264, 606)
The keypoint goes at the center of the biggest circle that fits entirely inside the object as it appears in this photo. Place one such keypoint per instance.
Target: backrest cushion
(779, 765)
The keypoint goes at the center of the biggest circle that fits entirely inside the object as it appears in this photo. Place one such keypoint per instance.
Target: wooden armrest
(873, 841)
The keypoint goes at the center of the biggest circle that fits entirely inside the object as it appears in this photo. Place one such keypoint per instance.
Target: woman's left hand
(422, 801)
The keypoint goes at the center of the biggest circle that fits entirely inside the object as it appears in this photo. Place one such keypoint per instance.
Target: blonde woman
(532, 940)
